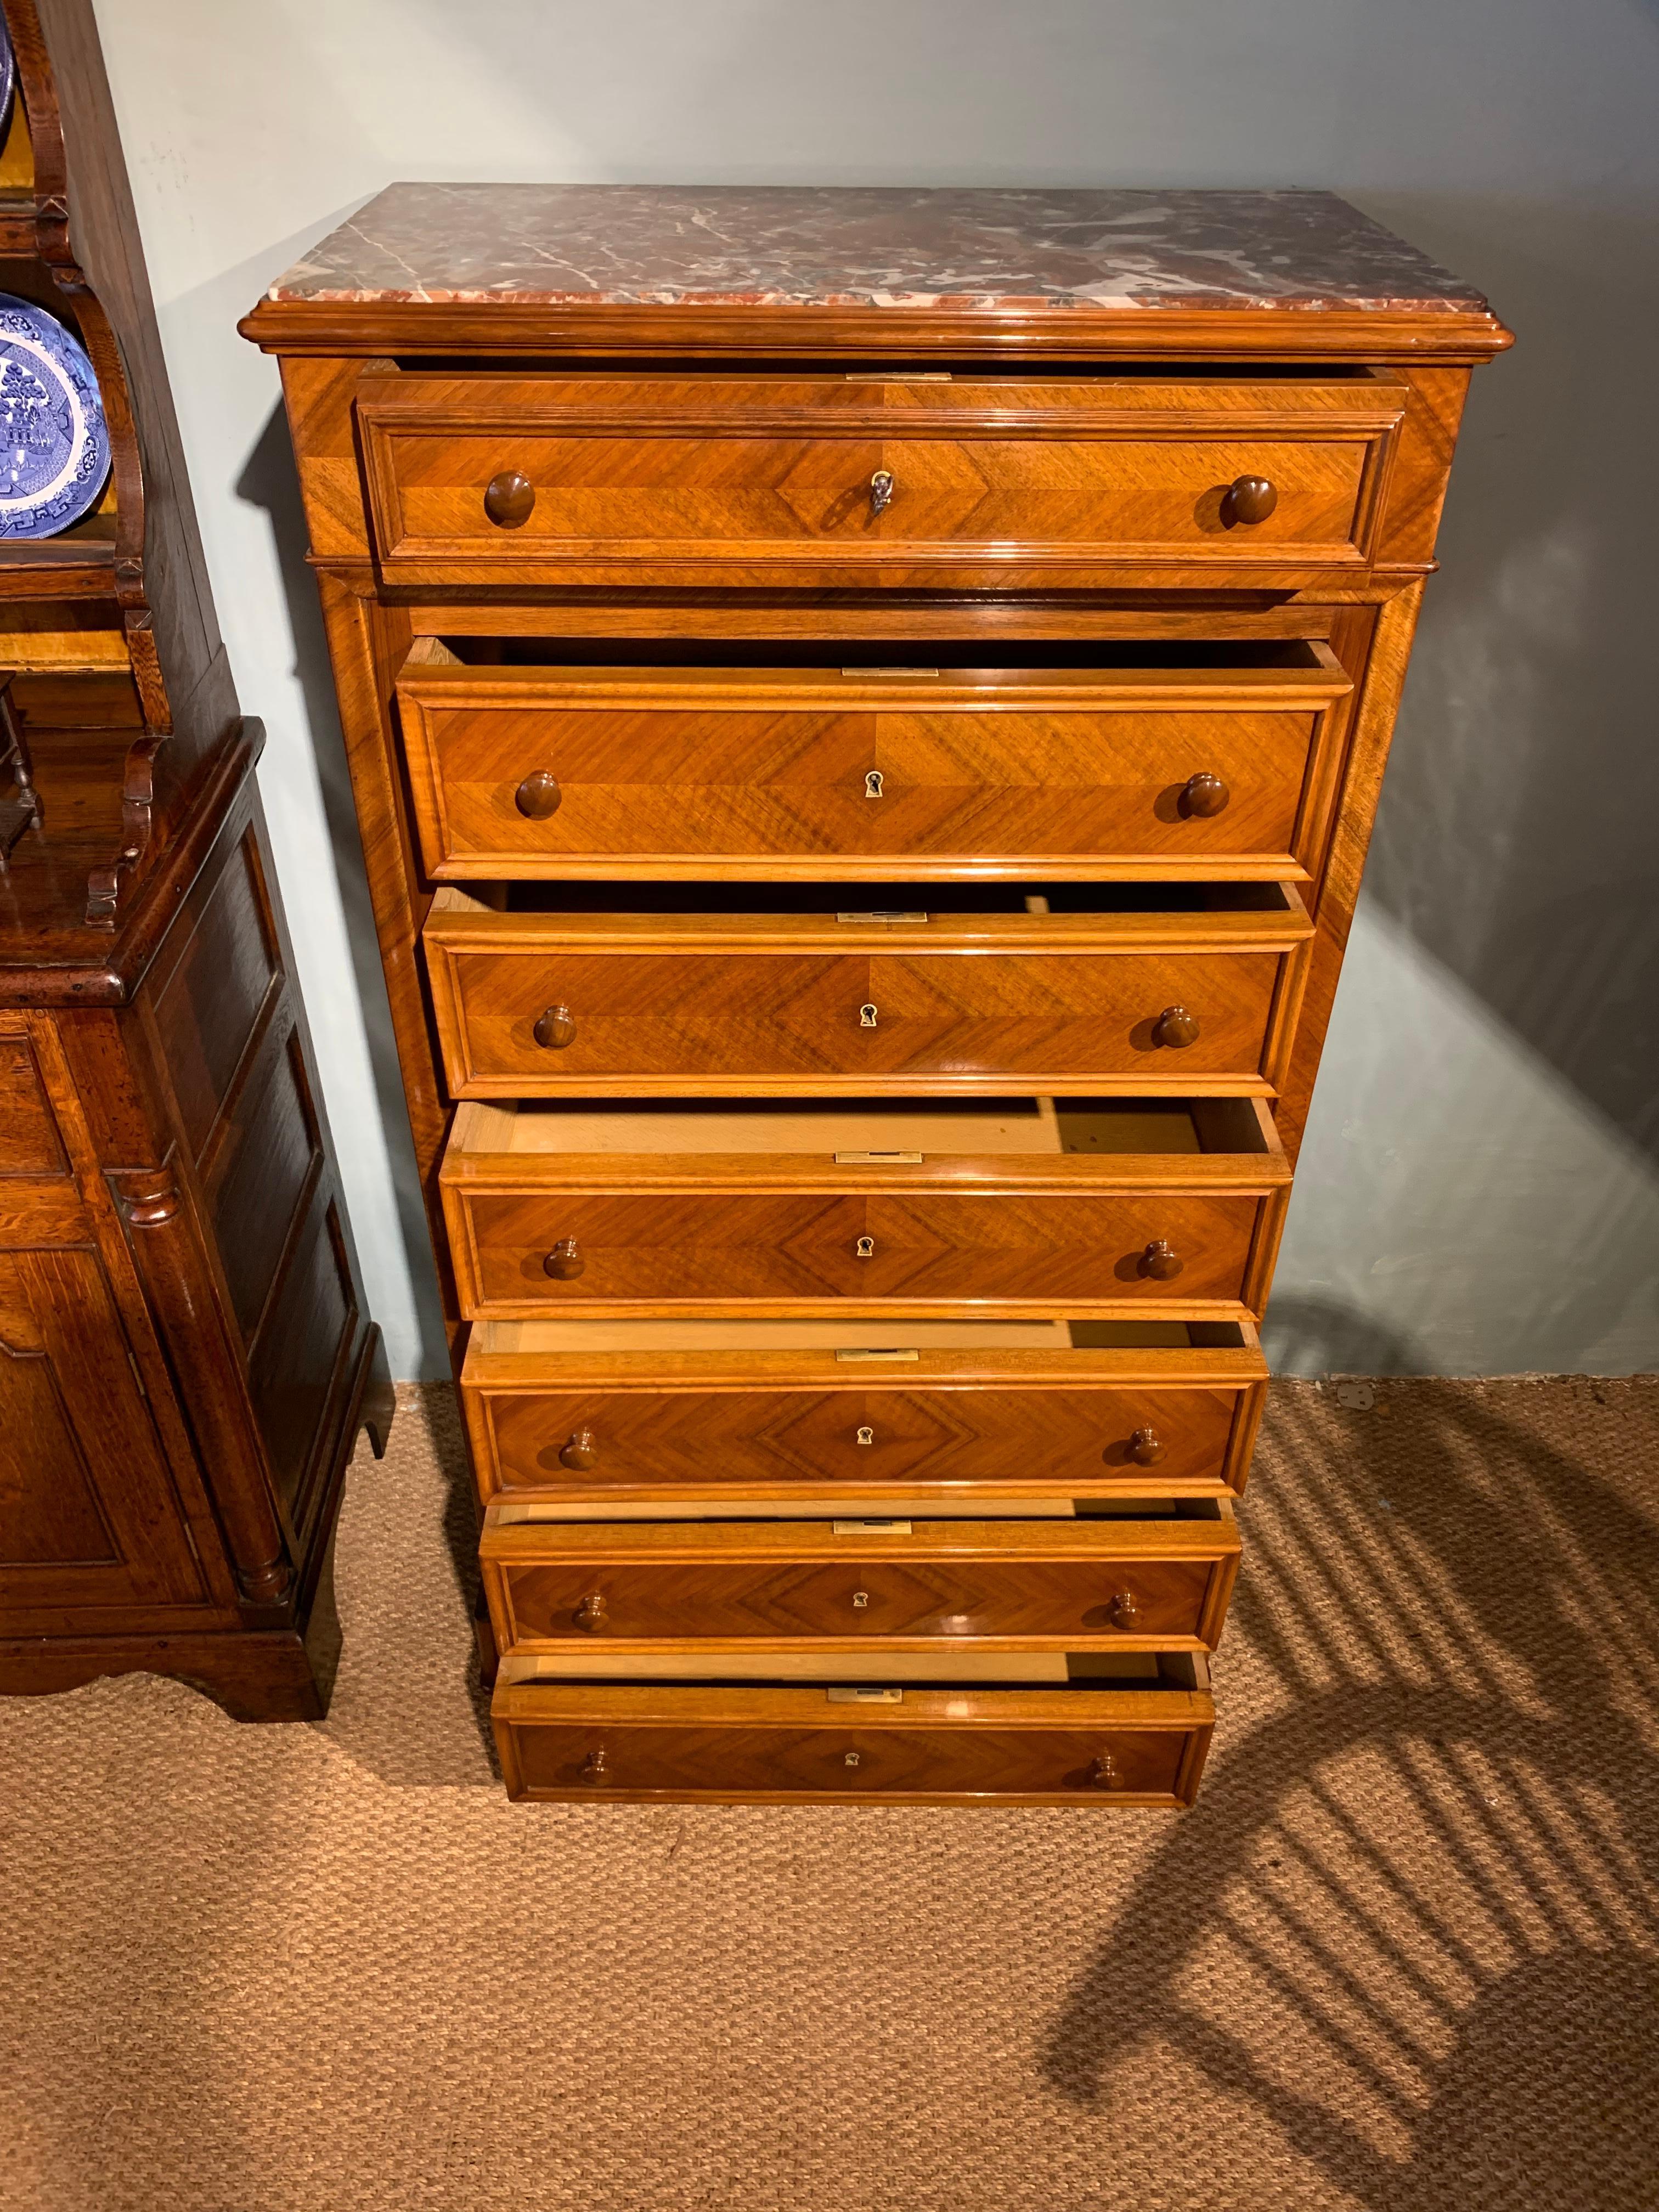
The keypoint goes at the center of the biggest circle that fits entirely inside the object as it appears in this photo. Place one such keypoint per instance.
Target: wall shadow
(1423, 1855)
(1514, 839)
(271, 480)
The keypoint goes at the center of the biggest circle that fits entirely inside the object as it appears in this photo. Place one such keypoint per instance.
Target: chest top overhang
(794, 270)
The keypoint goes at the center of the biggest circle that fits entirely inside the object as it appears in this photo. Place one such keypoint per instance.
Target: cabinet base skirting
(283, 1674)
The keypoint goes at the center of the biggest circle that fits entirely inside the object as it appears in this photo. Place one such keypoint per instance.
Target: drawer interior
(855, 905)
(874, 1132)
(854, 1341)
(944, 658)
(878, 1677)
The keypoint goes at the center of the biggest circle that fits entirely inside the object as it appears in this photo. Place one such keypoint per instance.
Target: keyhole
(872, 783)
(865, 1249)
(867, 1017)
(860, 1599)
(866, 1435)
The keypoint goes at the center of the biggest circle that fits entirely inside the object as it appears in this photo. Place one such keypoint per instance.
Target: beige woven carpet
(1402, 1954)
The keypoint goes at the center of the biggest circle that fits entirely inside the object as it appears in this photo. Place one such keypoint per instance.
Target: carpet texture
(1404, 1952)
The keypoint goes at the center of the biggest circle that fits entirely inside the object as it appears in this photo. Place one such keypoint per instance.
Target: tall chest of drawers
(866, 710)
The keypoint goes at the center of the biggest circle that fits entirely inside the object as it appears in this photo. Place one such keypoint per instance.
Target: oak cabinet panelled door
(866, 710)
(186, 1355)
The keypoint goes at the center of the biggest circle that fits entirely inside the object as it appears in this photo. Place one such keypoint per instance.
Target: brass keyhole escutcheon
(867, 1017)
(882, 489)
(860, 1599)
(865, 1249)
(865, 1436)
(872, 783)
(852, 1758)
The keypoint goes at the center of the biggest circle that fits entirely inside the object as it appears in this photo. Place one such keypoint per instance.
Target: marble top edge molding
(858, 247)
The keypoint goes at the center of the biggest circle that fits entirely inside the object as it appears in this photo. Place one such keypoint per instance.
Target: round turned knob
(509, 500)
(581, 1452)
(554, 1029)
(595, 1768)
(1175, 1028)
(565, 1261)
(539, 795)
(591, 1612)
(1160, 1261)
(1204, 794)
(1146, 1447)
(1124, 1610)
(1251, 499)
(1103, 1773)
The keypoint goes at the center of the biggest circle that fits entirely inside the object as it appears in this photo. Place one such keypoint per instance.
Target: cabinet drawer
(600, 1413)
(691, 479)
(1137, 1746)
(1067, 1583)
(1102, 761)
(1097, 996)
(1097, 1207)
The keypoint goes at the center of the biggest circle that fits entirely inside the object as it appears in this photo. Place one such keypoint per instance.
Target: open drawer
(1122, 1730)
(1091, 1206)
(715, 989)
(603, 1412)
(528, 757)
(1074, 1582)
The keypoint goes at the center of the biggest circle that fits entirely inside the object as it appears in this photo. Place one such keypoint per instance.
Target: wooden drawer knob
(1146, 1447)
(1123, 1608)
(881, 491)
(591, 1614)
(565, 1261)
(509, 500)
(1103, 1773)
(539, 795)
(1160, 1261)
(1203, 795)
(554, 1029)
(1251, 499)
(581, 1452)
(1175, 1028)
(595, 1768)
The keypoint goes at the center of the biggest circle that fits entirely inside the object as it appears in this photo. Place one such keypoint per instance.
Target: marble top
(832, 247)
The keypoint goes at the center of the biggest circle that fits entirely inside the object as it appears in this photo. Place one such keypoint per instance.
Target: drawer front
(595, 478)
(520, 1256)
(507, 785)
(721, 1023)
(874, 1439)
(1131, 1603)
(1099, 1766)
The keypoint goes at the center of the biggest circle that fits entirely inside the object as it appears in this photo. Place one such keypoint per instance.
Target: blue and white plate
(8, 74)
(54, 448)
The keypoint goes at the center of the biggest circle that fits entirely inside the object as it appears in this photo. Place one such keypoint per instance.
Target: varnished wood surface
(994, 1214)
(1134, 1585)
(675, 482)
(984, 1746)
(724, 1003)
(659, 1410)
(842, 772)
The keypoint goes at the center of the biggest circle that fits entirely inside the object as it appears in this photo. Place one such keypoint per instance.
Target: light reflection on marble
(827, 246)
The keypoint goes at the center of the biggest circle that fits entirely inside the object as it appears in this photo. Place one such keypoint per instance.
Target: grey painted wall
(1479, 1192)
